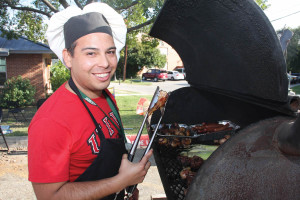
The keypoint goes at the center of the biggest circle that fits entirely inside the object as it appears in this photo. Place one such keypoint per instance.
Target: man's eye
(90, 53)
(111, 52)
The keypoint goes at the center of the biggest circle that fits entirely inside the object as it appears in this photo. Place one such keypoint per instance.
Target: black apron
(108, 161)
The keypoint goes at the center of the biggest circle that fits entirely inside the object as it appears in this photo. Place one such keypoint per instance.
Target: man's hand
(134, 173)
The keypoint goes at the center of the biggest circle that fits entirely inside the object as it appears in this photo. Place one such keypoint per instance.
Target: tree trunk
(125, 63)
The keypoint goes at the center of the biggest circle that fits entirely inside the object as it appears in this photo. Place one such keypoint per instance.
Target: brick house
(173, 59)
(28, 59)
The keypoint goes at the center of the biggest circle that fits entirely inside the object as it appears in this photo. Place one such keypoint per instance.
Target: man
(76, 144)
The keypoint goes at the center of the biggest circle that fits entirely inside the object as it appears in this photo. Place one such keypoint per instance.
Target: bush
(17, 92)
(58, 75)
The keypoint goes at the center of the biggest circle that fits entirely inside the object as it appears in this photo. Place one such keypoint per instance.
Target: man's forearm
(80, 190)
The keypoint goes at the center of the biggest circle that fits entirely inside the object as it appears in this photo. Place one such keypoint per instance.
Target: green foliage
(142, 54)
(21, 22)
(29, 28)
(58, 75)
(262, 4)
(27, 18)
(293, 52)
(17, 92)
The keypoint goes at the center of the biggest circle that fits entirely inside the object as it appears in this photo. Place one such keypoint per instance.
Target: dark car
(298, 77)
(155, 74)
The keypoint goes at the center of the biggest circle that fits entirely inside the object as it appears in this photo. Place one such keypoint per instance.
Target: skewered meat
(184, 160)
(162, 98)
(211, 127)
(191, 166)
(175, 143)
(185, 172)
(163, 141)
(188, 132)
(196, 162)
(178, 132)
(186, 141)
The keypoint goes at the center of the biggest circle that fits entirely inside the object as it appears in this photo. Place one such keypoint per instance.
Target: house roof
(22, 46)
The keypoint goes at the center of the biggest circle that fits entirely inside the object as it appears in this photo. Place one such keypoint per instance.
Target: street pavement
(167, 86)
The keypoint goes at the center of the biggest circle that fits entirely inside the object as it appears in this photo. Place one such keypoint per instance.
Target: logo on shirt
(92, 141)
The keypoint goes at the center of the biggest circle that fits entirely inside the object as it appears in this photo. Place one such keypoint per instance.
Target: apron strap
(113, 107)
(75, 89)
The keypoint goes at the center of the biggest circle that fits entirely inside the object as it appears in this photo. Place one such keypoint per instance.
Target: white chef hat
(88, 20)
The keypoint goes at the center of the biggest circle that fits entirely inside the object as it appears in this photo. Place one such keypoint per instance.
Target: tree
(28, 18)
(142, 53)
(17, 92)
(24, 18)
(262, 4)
(293, 52)
(59, 74)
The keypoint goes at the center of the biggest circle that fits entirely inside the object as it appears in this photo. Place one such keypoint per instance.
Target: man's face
(93, 64)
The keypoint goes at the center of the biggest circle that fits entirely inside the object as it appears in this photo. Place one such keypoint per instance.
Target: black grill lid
(227, 46)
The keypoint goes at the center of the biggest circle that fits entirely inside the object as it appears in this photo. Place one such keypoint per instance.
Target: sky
(280, 9)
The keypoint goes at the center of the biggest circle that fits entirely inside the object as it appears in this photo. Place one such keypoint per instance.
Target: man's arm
(129, 174)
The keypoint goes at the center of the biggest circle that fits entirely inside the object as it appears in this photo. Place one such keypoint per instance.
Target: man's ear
(67, 58)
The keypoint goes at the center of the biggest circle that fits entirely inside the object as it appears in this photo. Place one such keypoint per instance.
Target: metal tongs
(135, 143)
(132, 151)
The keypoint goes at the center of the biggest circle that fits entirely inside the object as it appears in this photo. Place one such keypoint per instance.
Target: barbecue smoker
(237, 72)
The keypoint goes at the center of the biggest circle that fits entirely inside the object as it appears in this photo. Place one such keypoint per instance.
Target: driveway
(167, 86)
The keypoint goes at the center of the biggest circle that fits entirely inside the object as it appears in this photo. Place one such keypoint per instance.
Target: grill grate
(172, 167)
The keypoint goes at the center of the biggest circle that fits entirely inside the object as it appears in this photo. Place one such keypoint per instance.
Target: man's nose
(103, 61)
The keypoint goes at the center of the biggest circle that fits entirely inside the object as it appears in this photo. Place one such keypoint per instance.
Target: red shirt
(62, 141)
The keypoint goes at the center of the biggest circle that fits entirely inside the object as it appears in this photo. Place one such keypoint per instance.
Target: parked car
(155, 74)
(175, 75)
(292, 78)
(298, 76)
(181, 70)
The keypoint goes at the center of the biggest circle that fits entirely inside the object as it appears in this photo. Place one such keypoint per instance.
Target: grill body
(237, 72)
(249, 166)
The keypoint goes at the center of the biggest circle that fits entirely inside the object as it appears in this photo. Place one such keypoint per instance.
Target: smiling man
(76, 144)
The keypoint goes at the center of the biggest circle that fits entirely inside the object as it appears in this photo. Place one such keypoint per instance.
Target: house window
(2, 70)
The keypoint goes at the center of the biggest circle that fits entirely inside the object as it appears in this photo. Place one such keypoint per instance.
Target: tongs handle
(136, 141)
(138, 136)
(152, 138)
(130, 189)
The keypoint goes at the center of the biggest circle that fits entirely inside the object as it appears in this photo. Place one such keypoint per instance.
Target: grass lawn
(296, 89)
(133, 81)
(127, 106)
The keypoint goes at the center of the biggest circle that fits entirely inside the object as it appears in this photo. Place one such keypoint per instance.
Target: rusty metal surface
(289, 138)
(249, 166)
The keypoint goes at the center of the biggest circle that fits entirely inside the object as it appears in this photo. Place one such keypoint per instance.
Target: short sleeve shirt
(62, 138)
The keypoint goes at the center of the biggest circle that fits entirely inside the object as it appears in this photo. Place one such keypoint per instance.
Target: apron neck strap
(111, 104)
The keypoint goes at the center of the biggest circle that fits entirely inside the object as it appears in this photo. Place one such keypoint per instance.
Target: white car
(175, 75)
(181, 70)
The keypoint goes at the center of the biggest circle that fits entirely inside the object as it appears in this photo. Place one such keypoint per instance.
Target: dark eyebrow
(89, 48)
(96, 49)
(110, 48)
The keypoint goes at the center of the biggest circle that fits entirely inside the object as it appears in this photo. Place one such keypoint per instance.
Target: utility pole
(125, 63)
